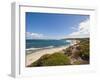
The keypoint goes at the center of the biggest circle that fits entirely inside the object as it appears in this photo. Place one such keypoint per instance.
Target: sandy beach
(36, 55)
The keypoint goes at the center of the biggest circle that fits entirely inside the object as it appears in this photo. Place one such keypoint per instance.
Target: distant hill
(73, 37)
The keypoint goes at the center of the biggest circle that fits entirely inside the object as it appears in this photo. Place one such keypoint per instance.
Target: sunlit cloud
(32, 35)
(82, 29)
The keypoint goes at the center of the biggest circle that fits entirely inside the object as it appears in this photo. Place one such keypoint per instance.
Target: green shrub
(84, 49)
(52, 60)
(78, 62)
(68, 51)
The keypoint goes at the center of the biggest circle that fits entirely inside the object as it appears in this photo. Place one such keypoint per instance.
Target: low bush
(84, 49)
(52, 60)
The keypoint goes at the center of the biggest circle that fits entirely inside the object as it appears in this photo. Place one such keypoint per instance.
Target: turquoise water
(45, 43)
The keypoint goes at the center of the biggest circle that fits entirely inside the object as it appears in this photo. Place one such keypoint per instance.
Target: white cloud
(82, 29)
(30, 35)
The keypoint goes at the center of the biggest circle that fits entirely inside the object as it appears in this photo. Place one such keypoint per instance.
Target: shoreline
(32, 57)
(32, 50)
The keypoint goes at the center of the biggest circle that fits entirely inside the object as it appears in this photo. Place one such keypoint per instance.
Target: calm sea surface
(45, 43)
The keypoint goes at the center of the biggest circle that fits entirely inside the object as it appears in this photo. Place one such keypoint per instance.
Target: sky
(55, 26)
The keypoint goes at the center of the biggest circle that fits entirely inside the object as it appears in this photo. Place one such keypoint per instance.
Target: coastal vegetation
(73, 55)
(54, 59)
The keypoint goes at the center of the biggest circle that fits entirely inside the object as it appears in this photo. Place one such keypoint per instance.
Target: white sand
(36, 55)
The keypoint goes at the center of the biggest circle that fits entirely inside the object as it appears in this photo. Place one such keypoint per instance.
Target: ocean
(45, 43)
(33, 45)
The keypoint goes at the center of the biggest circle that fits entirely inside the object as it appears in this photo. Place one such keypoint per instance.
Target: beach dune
(30, 58)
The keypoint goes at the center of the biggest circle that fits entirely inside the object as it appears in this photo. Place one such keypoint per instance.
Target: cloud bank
(32, 35)
(82, 29)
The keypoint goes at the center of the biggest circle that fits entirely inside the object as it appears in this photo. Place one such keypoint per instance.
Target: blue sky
(55, 26)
